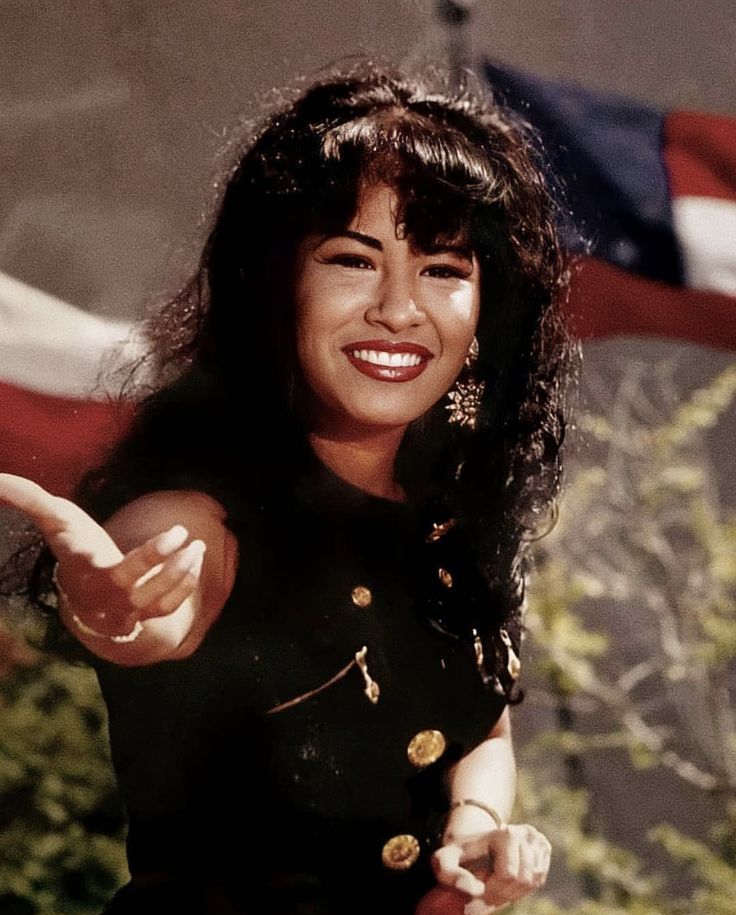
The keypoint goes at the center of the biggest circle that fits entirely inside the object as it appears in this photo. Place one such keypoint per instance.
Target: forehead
(381, 209)
(376, 204)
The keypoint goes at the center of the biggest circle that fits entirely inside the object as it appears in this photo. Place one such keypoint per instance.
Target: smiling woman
(383, 328)
(300, 578)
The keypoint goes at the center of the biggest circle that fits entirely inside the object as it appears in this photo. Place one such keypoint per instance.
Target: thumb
(67, 528)
(29, 498)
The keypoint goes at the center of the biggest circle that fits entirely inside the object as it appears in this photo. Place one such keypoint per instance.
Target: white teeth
(380, 357)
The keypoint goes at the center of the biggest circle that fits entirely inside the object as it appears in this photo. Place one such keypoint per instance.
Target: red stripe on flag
(700, 155)
(55, 440)
(606, 301)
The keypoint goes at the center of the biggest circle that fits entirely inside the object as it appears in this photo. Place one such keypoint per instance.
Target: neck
(366, 462)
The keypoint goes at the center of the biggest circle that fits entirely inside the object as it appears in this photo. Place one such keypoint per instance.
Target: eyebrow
(359, 236)
(464, 251)
(445, 247)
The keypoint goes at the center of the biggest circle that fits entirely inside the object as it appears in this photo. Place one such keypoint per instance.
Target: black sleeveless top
(273, 770)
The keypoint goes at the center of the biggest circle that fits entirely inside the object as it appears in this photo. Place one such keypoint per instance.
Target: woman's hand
(488, 870)
(104, 590)
(442, 900)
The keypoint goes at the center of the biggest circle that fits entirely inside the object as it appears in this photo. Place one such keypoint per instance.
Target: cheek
(323, 303)
(311, 360)
(474, 310)
(310, 310)
(306, 336)
(315, 346)
(460, 322)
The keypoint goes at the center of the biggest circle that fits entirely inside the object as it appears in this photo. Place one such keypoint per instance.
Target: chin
(379, 409)
(379, 416)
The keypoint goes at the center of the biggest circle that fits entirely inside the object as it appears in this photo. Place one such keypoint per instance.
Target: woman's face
(383, 329)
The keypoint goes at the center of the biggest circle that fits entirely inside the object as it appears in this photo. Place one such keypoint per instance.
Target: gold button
(361, 596)
(439, 530)
(445, 577)
(400, 852)
(513, 664)
(425, 748)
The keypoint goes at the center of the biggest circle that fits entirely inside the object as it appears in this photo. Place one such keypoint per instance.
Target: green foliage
(561, 813)
(641, 532)
(717, 878)
(641, 536)
(61, 826)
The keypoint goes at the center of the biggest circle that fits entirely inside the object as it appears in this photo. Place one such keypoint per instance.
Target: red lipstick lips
(385, 360)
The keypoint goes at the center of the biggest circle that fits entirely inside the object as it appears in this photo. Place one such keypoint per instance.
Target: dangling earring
(473, 351)
(465, 396)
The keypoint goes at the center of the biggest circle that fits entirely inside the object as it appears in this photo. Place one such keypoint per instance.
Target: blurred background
(115, 122)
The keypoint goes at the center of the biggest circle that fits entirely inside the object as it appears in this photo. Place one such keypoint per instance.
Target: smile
(384, 360)
(376, 357)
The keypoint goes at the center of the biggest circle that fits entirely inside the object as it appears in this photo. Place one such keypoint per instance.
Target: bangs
(440, 179)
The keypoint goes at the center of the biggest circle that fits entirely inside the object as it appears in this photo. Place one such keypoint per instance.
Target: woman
(303, 601)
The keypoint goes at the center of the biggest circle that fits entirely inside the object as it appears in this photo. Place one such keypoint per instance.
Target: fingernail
(173, 538)
(195, 551)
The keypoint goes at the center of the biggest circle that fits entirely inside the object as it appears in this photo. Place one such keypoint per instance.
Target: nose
(395, 306)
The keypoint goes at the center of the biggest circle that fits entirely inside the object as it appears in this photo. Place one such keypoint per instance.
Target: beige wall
(113, 112)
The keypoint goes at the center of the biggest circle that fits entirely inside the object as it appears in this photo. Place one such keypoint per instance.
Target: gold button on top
(400, 852)
(425, 748)
(361, 596)
(445, 577)
(439, 530)
(513, 664)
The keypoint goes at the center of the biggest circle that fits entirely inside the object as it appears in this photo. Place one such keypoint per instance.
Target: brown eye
(445, 272)
(351, 260)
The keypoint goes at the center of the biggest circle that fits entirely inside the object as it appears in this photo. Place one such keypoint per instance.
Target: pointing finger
(144, 558)
(163, 592)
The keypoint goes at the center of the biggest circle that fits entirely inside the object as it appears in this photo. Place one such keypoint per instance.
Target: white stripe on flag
(49, 346)
(706, 230)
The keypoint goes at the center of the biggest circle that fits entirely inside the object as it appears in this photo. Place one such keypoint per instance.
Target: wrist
(82, 628)
(469, 817)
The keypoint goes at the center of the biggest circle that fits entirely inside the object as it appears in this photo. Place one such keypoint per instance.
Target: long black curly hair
(223, 350)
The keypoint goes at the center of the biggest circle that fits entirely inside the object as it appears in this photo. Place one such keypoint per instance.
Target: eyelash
(350, 260)
(449, 272)
(356, 261)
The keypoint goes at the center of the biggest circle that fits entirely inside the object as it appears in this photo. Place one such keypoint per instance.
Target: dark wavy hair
(223, 350)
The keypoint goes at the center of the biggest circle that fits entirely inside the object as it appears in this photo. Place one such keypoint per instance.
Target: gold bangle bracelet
(63, 604)
(126, 637)
(470, 802)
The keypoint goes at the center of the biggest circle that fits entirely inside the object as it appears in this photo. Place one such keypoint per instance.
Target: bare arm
(483, 865)
(486, 774)
(148, 585)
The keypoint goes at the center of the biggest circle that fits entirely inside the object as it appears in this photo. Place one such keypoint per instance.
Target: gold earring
(473, 351)
(466, 396)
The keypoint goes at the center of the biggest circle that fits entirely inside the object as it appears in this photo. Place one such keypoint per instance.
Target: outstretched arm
(482, 864)
(147, 586)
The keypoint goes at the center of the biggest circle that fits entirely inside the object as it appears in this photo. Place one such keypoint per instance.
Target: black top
(266, 772)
